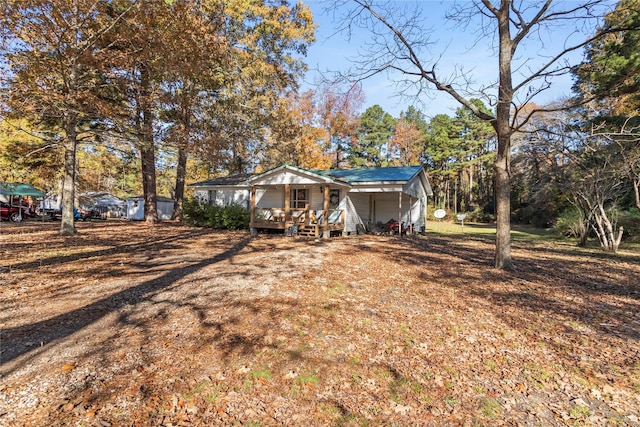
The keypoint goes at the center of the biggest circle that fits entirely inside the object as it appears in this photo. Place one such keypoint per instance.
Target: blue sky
(332, 52)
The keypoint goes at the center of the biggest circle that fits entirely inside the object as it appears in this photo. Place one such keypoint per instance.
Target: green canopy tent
(20, 190)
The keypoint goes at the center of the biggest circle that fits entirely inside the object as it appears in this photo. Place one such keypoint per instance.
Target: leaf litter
(135, 324)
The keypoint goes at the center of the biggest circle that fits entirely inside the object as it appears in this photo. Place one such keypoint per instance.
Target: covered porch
(297, 202)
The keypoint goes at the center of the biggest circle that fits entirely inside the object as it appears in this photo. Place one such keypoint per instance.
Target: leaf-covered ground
(131, 324)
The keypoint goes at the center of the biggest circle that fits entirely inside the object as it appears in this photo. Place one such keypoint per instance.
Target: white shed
(135, 208)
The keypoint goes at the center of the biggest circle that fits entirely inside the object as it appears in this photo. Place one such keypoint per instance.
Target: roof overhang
(287, 174)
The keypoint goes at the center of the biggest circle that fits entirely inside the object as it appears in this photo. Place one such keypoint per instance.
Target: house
(322, 203)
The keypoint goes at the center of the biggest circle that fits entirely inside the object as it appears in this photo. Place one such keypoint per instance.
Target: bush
(480, 216)
(570, 223)
(230, 217)
(630, 220)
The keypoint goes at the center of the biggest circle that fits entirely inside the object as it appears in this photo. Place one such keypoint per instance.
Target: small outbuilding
(135, 208)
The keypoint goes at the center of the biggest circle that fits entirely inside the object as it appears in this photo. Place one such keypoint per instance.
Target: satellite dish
(461, 217)
(440, 213)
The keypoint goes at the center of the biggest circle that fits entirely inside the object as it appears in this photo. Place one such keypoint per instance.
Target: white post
(400, 213)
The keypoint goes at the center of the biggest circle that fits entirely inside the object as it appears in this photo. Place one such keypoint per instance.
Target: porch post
(252, 228)
(287, 203)
(410, 225)
(399, 213)
(325, 224)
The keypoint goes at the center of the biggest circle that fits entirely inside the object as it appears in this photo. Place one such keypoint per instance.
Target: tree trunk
(67, 224)
(503, 132)
(181, 173)
(503, 214)
(147, 155)
(147, 150)
(636, 190)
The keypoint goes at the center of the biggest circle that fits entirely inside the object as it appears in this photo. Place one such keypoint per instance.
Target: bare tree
(597, 186)
(527, 61)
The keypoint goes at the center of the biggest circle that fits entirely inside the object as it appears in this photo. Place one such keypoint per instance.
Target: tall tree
(440, 156)
(610, 76)
(137, 79)
(399, 44)
(611, 70)
(26, 155)
(338, 108)
(54, 74)
(375, 132)
(407, 144)
(296, 139)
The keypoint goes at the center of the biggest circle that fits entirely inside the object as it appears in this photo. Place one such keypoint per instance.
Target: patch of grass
(538, 374)
(489, 407)
(491, 365)
(260, 374)
(382, 373)
(451, 401)
(307, 379)
(337, 289)
(518, 232)
(578, 412)
(199, 388)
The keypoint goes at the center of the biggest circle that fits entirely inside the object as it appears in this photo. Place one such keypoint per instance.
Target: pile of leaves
(134, 324)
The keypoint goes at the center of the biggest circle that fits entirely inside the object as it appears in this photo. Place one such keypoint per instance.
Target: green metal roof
(390, 174)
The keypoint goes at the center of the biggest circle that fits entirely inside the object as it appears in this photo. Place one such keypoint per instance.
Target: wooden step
(307, 231)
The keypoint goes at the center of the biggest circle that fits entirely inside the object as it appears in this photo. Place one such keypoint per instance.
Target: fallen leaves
(186, 326)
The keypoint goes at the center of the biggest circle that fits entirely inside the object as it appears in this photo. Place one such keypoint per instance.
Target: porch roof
(293, 175)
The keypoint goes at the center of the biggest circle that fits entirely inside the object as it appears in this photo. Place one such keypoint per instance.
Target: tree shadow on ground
(19, 341)
(569, 289)
(114, 245)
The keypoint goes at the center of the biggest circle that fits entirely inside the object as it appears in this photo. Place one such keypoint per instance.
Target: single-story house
(314, 202)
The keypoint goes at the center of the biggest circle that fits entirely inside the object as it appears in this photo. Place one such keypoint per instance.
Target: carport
(20, 190)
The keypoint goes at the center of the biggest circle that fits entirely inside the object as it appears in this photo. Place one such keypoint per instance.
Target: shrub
(630, 220)
(570, 223)
(480, 216)
(230, 217)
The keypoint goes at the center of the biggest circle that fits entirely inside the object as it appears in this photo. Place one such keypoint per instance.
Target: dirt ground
(128, 324)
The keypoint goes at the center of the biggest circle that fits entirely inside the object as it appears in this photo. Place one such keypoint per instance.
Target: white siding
(224, 195)
(386, 208)
(270, 197)
(352, 218)
(360, 202)
(165, 210)
(414, 188)
(288, 177)
(135, 209)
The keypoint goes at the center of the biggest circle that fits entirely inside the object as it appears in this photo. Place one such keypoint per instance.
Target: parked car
(12, 213)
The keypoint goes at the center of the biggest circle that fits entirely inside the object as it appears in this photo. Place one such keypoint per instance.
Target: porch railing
(298, 216)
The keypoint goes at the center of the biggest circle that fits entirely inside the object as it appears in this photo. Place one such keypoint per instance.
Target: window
(299, 198)
(212, 197)
(334, 198)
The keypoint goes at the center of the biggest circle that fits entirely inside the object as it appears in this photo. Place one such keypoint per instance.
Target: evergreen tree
(373, 136)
